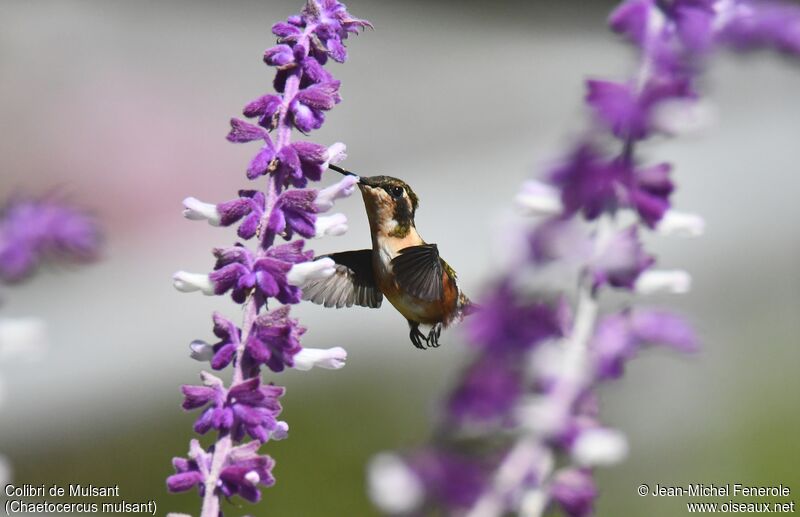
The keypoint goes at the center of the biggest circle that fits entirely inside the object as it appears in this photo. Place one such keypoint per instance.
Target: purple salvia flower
(619, 337)
(452, 479)
(239, 271)
(493, 328)
(487, 391)
(294, 211)
(241, 472)
(249, 209)
(619, 260)
(275, 339)
(574, 491)
(33, 231)
(248, 407)
(305, 91)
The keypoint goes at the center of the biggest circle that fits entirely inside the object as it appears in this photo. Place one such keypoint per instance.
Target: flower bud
(196, 210)
(191, 282)
(662, 281)
(312, 270)
(330, 358)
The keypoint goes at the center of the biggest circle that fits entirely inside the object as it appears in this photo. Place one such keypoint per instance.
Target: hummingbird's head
(390, 204)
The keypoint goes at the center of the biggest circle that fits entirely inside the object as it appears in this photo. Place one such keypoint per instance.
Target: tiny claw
(417, 336)
(433, 336)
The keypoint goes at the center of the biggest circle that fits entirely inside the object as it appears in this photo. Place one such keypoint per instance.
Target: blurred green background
(124, 106)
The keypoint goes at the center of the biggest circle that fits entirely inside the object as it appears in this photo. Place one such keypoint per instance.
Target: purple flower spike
(304, 92)
(526, 407)
(275, 339)
(35, 230)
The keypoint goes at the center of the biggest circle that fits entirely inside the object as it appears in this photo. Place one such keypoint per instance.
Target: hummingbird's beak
(343, 172)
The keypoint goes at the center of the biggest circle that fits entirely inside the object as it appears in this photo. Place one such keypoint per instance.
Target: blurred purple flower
(594, 184)
(539, 363)
(574, 490)
(33, 231)
(619, 337)
(487, 391)
(451, 479)
(495, 327)
(619, 260)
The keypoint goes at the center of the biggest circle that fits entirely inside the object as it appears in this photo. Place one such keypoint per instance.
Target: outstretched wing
(419, 270)
(353, 282)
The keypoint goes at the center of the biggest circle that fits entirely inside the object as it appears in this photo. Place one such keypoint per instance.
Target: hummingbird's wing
(352, 283)
(419, 270)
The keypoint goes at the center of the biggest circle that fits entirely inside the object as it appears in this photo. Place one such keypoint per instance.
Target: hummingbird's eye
(395, 191)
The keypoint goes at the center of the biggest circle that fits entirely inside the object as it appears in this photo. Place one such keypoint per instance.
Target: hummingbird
(400, 265)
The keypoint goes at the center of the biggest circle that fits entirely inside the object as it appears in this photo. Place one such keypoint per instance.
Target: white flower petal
(538, 198)
(210, 380)
(683, 116)
(281, 431)
(600, 447)
(681, 224)
(196, 210)
(393, 486)
(201, 351)
(534, 503)
(331, 225)
(313, 270)
(252, 477)
(341, 189)
(662, 281)
(328, 358)
(191, 282)
(336, 153)
(22, 338)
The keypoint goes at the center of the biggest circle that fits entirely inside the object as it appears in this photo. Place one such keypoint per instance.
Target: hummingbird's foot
(416, 336)
(433, 336)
